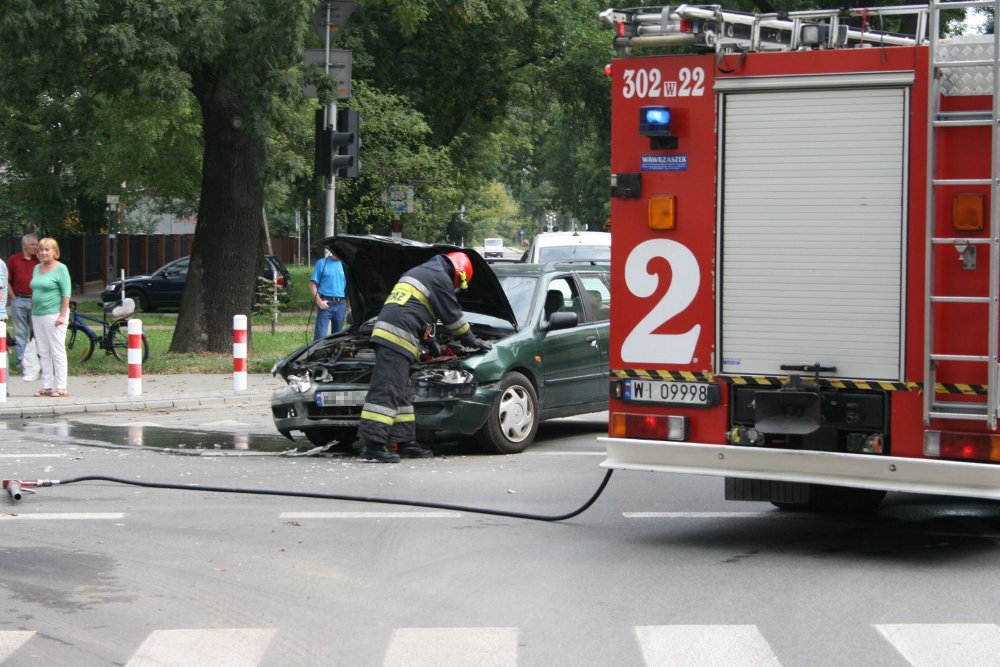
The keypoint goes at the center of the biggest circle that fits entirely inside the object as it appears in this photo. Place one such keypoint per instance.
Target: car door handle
(592, 340)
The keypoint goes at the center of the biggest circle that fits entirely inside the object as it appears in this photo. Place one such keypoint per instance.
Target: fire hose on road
(16, 488)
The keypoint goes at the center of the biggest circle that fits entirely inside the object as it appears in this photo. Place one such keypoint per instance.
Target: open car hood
(373, 265)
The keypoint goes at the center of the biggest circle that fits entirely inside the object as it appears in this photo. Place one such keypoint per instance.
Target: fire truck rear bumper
(974, 480)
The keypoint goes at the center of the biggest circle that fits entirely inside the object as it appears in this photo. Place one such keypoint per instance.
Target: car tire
(513, 419)
(141, 302)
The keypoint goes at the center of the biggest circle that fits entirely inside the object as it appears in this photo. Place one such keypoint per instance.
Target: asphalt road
(660, 571)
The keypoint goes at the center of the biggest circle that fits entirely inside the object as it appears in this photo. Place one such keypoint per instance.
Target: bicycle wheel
(118, 335)
(80, 342)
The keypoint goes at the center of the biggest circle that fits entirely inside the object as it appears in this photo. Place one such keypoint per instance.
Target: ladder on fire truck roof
(711, 27)
(943, 66)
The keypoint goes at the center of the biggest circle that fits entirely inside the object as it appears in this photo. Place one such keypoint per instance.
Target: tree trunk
(228, 251)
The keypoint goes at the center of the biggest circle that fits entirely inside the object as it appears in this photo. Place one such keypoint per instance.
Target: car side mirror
(564, 319)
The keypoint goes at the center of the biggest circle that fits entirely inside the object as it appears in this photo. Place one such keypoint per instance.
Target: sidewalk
(109, 393)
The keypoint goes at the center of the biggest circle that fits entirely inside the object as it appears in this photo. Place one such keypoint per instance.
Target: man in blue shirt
(328, 285)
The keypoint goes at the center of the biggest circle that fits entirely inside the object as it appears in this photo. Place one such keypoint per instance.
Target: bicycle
(113, 339)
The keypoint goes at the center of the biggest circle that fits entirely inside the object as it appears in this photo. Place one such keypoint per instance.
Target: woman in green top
(50, 294)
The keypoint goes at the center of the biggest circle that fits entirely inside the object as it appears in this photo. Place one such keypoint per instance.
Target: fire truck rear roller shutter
(811, 202)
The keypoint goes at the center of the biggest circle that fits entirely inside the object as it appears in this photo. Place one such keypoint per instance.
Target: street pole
(329, 224)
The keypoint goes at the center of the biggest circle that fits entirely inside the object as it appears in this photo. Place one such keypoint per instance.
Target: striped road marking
(11, 640)
(703, 515)
(704, 646)
(32, 456)
(220, 647)
(934, 644)
(63, 516)
(920, 645)
(370, 515)
(435, 647)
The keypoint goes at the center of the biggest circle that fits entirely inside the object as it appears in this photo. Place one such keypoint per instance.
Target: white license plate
(659, 391)
(331, 399)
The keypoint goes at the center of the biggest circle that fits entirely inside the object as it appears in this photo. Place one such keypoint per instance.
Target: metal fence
(88, 260)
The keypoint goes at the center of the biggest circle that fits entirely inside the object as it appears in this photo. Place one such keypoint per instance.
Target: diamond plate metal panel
(957, 81)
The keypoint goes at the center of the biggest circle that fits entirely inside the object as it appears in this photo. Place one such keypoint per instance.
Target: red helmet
(463, 268)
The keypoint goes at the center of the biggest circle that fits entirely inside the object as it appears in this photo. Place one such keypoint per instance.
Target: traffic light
(337, 151)
(345, 160)
(321, 140)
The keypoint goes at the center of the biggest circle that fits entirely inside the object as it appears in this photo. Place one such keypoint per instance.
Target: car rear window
(577, 251)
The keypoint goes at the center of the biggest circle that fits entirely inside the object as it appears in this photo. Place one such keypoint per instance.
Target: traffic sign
(340, 68)
(400, 199)
(340, 11)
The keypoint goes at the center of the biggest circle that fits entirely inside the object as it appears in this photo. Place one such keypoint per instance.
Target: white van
(493, 248)
(569, 246)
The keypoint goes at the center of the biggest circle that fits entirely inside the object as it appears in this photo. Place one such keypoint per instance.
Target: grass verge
(268, 343)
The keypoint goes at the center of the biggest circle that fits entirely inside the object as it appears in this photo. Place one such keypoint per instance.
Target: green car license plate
(331, 399)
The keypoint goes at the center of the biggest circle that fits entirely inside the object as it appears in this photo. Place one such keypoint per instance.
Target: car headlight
(444, 375)
(300, 384)
(456, 376)
(111, 287)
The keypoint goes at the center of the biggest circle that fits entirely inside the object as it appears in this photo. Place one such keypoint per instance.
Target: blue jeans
(331, 319)
(20, 318)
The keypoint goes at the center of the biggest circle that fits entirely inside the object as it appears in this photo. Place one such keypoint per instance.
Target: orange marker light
(967, 212)
(662, 210)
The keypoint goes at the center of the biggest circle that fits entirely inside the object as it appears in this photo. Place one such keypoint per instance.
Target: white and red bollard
(3, 362)
(240, 352)
(134, 357)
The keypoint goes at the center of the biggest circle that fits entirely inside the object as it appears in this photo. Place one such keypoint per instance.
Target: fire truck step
(960, 299)
(968, 416)
(960, 357)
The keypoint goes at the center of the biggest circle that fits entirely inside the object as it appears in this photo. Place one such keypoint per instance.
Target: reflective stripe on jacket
(423, 295)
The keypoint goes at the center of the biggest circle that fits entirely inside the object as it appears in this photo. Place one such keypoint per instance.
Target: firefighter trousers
(387, 415)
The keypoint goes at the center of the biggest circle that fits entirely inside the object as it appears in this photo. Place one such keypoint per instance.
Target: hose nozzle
(16, 487)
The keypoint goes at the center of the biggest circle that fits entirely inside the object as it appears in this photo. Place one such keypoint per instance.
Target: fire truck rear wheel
(513, 419)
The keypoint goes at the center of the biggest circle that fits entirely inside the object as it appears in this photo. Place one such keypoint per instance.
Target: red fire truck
(805, 257)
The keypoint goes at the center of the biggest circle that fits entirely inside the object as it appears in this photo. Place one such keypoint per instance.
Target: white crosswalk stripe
(704, 646)
(11, 640)
(436, 647)
(934, 644)
(217, 647)
(63, 516)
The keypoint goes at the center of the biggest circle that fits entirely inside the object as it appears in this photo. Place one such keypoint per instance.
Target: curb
(132, 404)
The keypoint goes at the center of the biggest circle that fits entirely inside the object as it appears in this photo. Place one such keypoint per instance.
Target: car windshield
(576, 251)
(519, 291)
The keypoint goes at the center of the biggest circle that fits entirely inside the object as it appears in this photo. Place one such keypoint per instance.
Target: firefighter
(422, 296)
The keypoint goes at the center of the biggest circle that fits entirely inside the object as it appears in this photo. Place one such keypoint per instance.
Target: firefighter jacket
(423, 295)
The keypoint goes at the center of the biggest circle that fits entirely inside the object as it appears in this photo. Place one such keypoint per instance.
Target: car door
(596, 291)
(572, 359)
(168, 283)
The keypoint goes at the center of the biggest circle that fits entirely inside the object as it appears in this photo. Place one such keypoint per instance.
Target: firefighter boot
(374, 451)
(411, 450)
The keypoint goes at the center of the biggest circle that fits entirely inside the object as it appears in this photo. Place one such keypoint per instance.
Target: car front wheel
(513, 418)
(141, 302)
